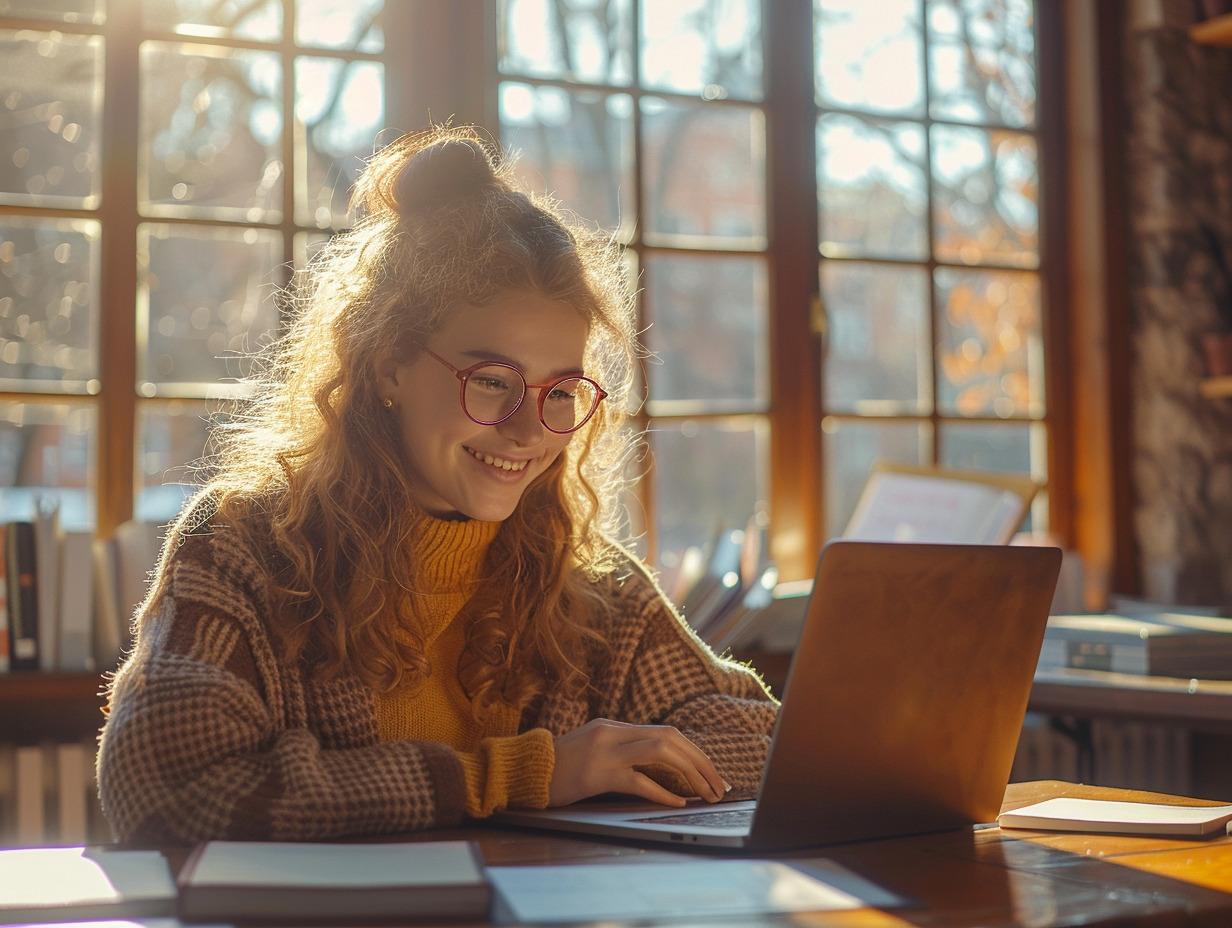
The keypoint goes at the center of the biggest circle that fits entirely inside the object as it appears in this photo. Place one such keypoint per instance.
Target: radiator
(1105, 752)
(48, 795)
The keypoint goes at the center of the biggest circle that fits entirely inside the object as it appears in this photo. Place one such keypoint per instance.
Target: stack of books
(1158, 644)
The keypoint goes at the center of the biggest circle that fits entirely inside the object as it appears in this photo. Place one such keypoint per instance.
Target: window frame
(461, 87)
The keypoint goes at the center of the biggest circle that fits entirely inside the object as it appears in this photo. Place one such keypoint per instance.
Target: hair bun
(444, 171)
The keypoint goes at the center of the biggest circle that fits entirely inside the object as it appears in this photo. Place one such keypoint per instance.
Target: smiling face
(455, 465)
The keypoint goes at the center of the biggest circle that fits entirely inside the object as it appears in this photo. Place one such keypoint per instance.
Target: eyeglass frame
(464, 375)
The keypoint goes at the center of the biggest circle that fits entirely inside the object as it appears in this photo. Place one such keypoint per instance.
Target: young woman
(397, 602)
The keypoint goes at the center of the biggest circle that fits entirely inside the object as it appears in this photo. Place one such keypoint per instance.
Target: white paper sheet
(685, 889)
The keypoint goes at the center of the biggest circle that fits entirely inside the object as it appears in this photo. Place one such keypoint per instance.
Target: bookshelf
(37, 706)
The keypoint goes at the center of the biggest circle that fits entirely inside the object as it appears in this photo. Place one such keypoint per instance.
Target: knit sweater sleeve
(208, 736)
(510, 771)
(661, 673)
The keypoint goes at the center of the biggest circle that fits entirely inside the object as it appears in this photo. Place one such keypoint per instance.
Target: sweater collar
(451, 553)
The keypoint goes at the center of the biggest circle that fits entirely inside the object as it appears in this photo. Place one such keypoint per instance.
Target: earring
(388, 402)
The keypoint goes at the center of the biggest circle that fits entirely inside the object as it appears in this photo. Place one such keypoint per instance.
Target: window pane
(64, 11)
(172, 437)
(706, 47)
(990, 446)
(872, 188)
(704, 171)
(877, 362)
(694, 500)
(260, 20)
(49, 305)
(339, 110)
(986, 196)
(211, 133)
(707, 325)
(203, 295)
(48, 450)
(575, 40)
(578, 146)
(982, 61)
(990, 354)
(348, 24)
(50, 112)
(869, 56)
(305, 246)
(851, 447)
(1014, 448)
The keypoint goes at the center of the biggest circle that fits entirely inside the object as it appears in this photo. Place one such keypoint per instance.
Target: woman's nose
(524, 426)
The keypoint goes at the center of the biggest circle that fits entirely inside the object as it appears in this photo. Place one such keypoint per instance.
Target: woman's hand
(601, 757)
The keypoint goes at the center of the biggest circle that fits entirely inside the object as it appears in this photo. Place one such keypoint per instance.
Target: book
(30, 818)
(1165, 645)
(59, 884)
(76, 602)
(5, 665)
(927, 504)
(286, 881)
(47, 534)
(110, 628)
(20, 568)
(137, 549)
(73, 786)
(1107, 816)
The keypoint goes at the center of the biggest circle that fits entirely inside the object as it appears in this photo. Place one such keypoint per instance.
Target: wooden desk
(967, 878)
(984, 877)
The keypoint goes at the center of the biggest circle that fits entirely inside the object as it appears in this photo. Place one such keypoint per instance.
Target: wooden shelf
(55, 706)
(1214, 31)
(1216, 387)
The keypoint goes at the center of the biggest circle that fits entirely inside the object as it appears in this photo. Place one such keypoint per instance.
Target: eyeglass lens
(493, 392)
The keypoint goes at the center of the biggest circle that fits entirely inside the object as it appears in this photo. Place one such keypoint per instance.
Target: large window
(164, 164)
(648, 119)
(928, 212)
(663, 122)
(833, 214)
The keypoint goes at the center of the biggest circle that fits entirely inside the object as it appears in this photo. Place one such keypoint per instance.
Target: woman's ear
(387, 372)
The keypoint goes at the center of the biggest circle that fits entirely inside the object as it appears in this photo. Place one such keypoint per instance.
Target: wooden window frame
(1088, 487)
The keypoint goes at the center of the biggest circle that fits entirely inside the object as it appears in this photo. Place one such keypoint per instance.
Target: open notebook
(901, 711)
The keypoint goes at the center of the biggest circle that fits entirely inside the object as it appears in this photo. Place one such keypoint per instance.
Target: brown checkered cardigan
(209, 735)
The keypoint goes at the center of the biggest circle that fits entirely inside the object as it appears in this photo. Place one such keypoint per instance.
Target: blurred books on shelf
(1159, 644)
(66, 597)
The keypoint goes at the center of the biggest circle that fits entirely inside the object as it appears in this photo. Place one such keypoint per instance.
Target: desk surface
(971, 878)
(985, 877)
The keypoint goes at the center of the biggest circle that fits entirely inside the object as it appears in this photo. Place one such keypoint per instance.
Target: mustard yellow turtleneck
(503, 768)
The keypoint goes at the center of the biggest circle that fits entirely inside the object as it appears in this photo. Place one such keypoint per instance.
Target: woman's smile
(493, 460)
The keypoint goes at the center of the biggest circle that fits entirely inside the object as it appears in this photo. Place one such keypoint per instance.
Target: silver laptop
(901, 711)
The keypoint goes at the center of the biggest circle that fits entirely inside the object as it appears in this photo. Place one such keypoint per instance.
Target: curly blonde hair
(442, 224)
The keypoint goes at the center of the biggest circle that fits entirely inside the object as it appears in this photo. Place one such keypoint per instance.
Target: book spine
(1058, 653)
(72, 792)
(30, 817)
(5, 638)
(46, 577)
(76, 625)
(20, 563)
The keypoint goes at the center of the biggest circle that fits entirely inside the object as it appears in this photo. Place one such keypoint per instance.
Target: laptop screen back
(907, 690)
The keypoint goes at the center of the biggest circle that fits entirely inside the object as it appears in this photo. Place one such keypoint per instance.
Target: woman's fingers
(670, 748)
(601, 756)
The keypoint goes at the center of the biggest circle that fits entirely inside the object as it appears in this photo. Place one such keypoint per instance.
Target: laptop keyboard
(722, 818)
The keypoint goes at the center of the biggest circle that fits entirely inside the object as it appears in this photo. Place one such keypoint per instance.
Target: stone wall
(1178, 188)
